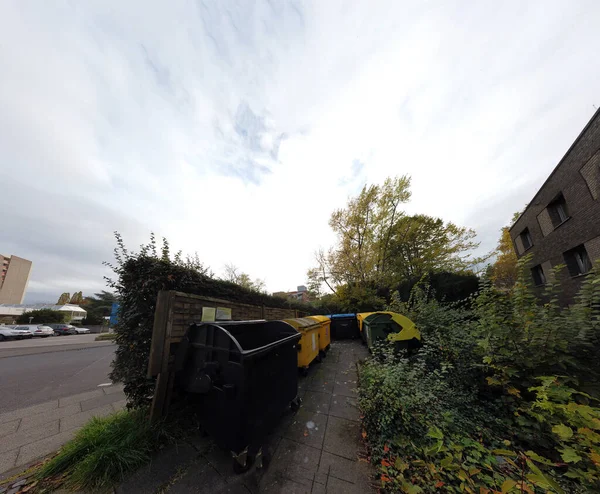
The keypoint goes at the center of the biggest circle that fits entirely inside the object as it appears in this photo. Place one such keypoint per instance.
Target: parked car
(63, 329)
(82, 330)
(11, 333)
(37, 330)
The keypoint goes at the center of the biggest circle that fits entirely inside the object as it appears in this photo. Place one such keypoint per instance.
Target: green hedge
(140, 276)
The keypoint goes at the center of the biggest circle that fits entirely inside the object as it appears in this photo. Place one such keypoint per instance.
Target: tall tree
(364, 230)
(77, 298)
(98, 306)
(504, 270)
(64, 299)
(378, 246)
(422, 244)
(234, 275)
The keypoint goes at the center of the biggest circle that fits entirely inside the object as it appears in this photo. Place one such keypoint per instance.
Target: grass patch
(104, 451)
(106, 337)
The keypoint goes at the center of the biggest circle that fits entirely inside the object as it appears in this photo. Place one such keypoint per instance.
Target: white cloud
(235, 128)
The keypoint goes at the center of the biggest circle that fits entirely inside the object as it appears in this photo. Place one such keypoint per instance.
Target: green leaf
(446, 462)
(563, 431)
(547, 480)
(435, 433)
(507, 485)
(540, 459)
(400, 465)
(504, 452)
(569, 455)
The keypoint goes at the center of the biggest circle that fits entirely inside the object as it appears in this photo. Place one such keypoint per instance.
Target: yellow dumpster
(308, 347)
(324, 333)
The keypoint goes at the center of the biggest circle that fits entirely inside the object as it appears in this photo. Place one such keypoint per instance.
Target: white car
(37, 330)
(82, 330)
(11, 333)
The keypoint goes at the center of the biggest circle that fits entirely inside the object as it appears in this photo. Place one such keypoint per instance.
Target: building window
(539, 278)
(578, 261)
(526, 239)
(558, 211)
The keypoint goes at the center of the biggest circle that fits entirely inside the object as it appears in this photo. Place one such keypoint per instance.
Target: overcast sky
(235, 128)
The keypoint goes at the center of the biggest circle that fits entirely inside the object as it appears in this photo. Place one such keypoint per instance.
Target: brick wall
(577, 177)
(187, 309)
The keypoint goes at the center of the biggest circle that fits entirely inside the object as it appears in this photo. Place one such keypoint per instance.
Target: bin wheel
(319, 358)
(238, 468)
(304, 371)
(295, 404)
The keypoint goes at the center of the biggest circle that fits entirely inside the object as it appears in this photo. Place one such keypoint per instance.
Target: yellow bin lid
(318, 318)
(302, 323)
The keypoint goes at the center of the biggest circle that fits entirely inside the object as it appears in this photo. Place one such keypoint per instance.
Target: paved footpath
(317, 450)
(31, 433)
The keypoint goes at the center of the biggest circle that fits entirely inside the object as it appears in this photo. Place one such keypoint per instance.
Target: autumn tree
(379, 246)
(422, 244)
(364, 230)
(77, 298)
(234, 275)
(504, 270)
(64, 299)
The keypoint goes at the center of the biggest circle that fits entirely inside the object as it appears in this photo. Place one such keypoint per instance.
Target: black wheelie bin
(242, 376)
(344, 326)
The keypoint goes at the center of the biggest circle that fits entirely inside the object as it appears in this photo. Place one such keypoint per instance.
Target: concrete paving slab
(307, 428)
(320, 384)
(26, 412)
(101, 400)
(117, 406)
(43, 447)
(294, 461)
(342, 438)
(171, 460)
(9, 427)
(344, 407)
(76, 399)
(286, 486)
(114, 388)
(49, 416)
(353, 471)
(316, 401)
(335, 486)
(8, 459)
(346, 387)
(319, 489)
(20, 438)
(80, 419)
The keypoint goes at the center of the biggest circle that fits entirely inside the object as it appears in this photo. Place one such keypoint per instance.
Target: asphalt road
(51, 368)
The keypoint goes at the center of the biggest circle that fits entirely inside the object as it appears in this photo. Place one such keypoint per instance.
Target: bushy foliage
(140, 276)
(502, 397)
(41, 316)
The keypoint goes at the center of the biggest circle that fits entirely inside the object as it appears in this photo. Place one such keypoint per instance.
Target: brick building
(561, 224)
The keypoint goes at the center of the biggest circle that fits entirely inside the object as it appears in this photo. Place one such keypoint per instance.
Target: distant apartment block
(561, 224)
(300, 295)
(14, 278)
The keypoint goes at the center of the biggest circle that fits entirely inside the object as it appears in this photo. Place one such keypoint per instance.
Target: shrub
(41, 316)
(502, 397)
(140, 276)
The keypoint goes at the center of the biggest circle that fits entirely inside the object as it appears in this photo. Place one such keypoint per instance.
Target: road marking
(105, 384)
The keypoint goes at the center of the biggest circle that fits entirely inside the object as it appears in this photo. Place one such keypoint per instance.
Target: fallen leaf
(385, 448)
(385, 463)
(305, 433)
(364, 434)
(439, 484)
